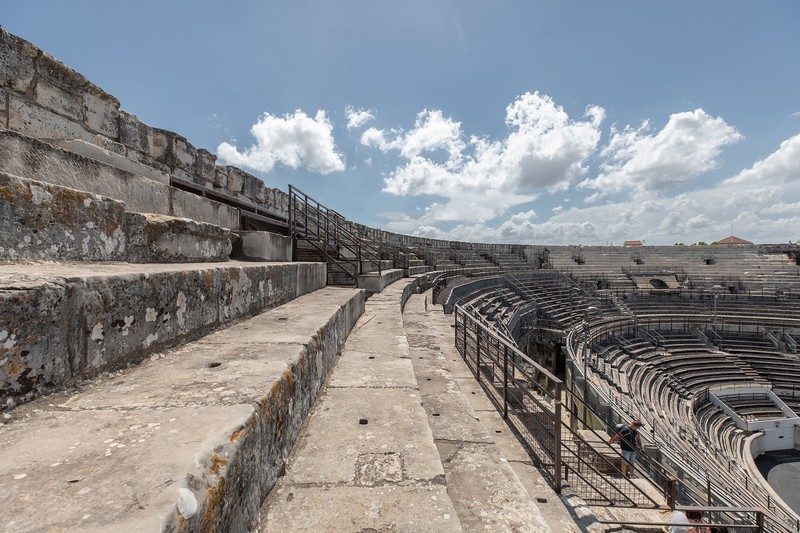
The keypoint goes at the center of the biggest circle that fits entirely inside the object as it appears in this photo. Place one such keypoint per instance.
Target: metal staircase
(321, 234)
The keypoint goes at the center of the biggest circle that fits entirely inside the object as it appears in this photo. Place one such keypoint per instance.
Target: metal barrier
(530, 398)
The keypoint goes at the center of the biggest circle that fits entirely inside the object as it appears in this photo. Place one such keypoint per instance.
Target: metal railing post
(557, 438)
(505, 381)
(464, 344)
(478, 354)
(670, 491)
(759, 521)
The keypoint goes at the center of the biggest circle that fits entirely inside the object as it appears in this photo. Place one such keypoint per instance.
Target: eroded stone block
(16, 62)
(49, 223)
(235, 180)
(205, 168)
(59, 100)
(135, 134)
(185, 153)
(40, 123)
(165, 239)
(102, 113)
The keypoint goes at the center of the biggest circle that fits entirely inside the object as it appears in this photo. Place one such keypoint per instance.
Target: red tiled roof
(732, 240)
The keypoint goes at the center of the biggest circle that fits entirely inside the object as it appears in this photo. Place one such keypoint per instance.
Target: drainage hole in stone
(497, 431)
(473, 392)
(215, 364)
(541, 500)
(363, 421)
(73, 480)
(283, 318)
(372, 357)
(435, 414)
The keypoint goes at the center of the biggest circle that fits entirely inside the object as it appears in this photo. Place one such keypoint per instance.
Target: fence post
(557, 436)
(477, 352)
(671, 488)
(505, 381)
(464, 323)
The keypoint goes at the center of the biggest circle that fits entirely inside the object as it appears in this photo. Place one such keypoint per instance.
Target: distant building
(633, 244)
(732, 240)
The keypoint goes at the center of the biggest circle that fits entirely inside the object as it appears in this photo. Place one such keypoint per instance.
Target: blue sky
(717, 82)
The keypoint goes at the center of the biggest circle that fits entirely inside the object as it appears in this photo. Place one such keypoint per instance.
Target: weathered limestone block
(162, 145)
(33, 318)
(134, 133)
(57, 73)
(220, 177)
(205, 168)
(235, 180)
(107, 144)
(185, 154)
(188, 205)
(44, 222)
(26, 157)
(164, 239)
(213, 423)
(3, 109)
(41, 123)
(65, 322)
(251, 186)
(59, 100)
(373, 282)
(17, 67)
(263, 246)
(102, 113)
(98, 153)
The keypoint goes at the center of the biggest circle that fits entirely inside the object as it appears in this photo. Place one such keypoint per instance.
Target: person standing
(629, 443)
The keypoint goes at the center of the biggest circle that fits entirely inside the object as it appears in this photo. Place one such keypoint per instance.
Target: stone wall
(43, 98)
(63, 323)
(45, 222)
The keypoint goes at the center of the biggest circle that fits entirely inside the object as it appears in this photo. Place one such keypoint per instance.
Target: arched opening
(657, 283)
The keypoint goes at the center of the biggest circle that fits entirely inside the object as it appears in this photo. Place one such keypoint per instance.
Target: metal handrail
(620, 490)
(329, 225)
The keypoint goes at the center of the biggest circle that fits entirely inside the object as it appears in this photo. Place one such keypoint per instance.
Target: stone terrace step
(44, 222)
(483, 462)
(366, 460)
(63, 322)
(26, 157)
(191, 440)
(374, 282)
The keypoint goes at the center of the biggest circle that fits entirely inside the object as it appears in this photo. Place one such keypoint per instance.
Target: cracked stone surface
(366, 458)
(485, 489)
(206, 426)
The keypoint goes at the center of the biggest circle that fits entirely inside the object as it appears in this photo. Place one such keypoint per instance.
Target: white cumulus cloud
(481, 178)
(782, 165)
(293, 140)
(762, 203)
(635, 158)
(357, 117)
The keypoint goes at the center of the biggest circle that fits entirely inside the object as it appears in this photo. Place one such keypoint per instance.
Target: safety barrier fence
(697, 486)
(576, 457)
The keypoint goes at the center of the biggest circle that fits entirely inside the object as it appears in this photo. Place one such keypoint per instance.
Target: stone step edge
(82, 326)
(264, 428)
(47, 222)
(224, 490)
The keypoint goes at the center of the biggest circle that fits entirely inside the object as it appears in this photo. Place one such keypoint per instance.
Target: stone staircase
(394, 444)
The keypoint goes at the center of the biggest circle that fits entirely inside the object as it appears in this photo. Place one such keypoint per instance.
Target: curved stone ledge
(60, 323)
(191, 440)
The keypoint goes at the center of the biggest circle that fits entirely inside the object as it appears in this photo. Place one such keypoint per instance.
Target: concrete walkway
(366, 459)
(490, 478)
